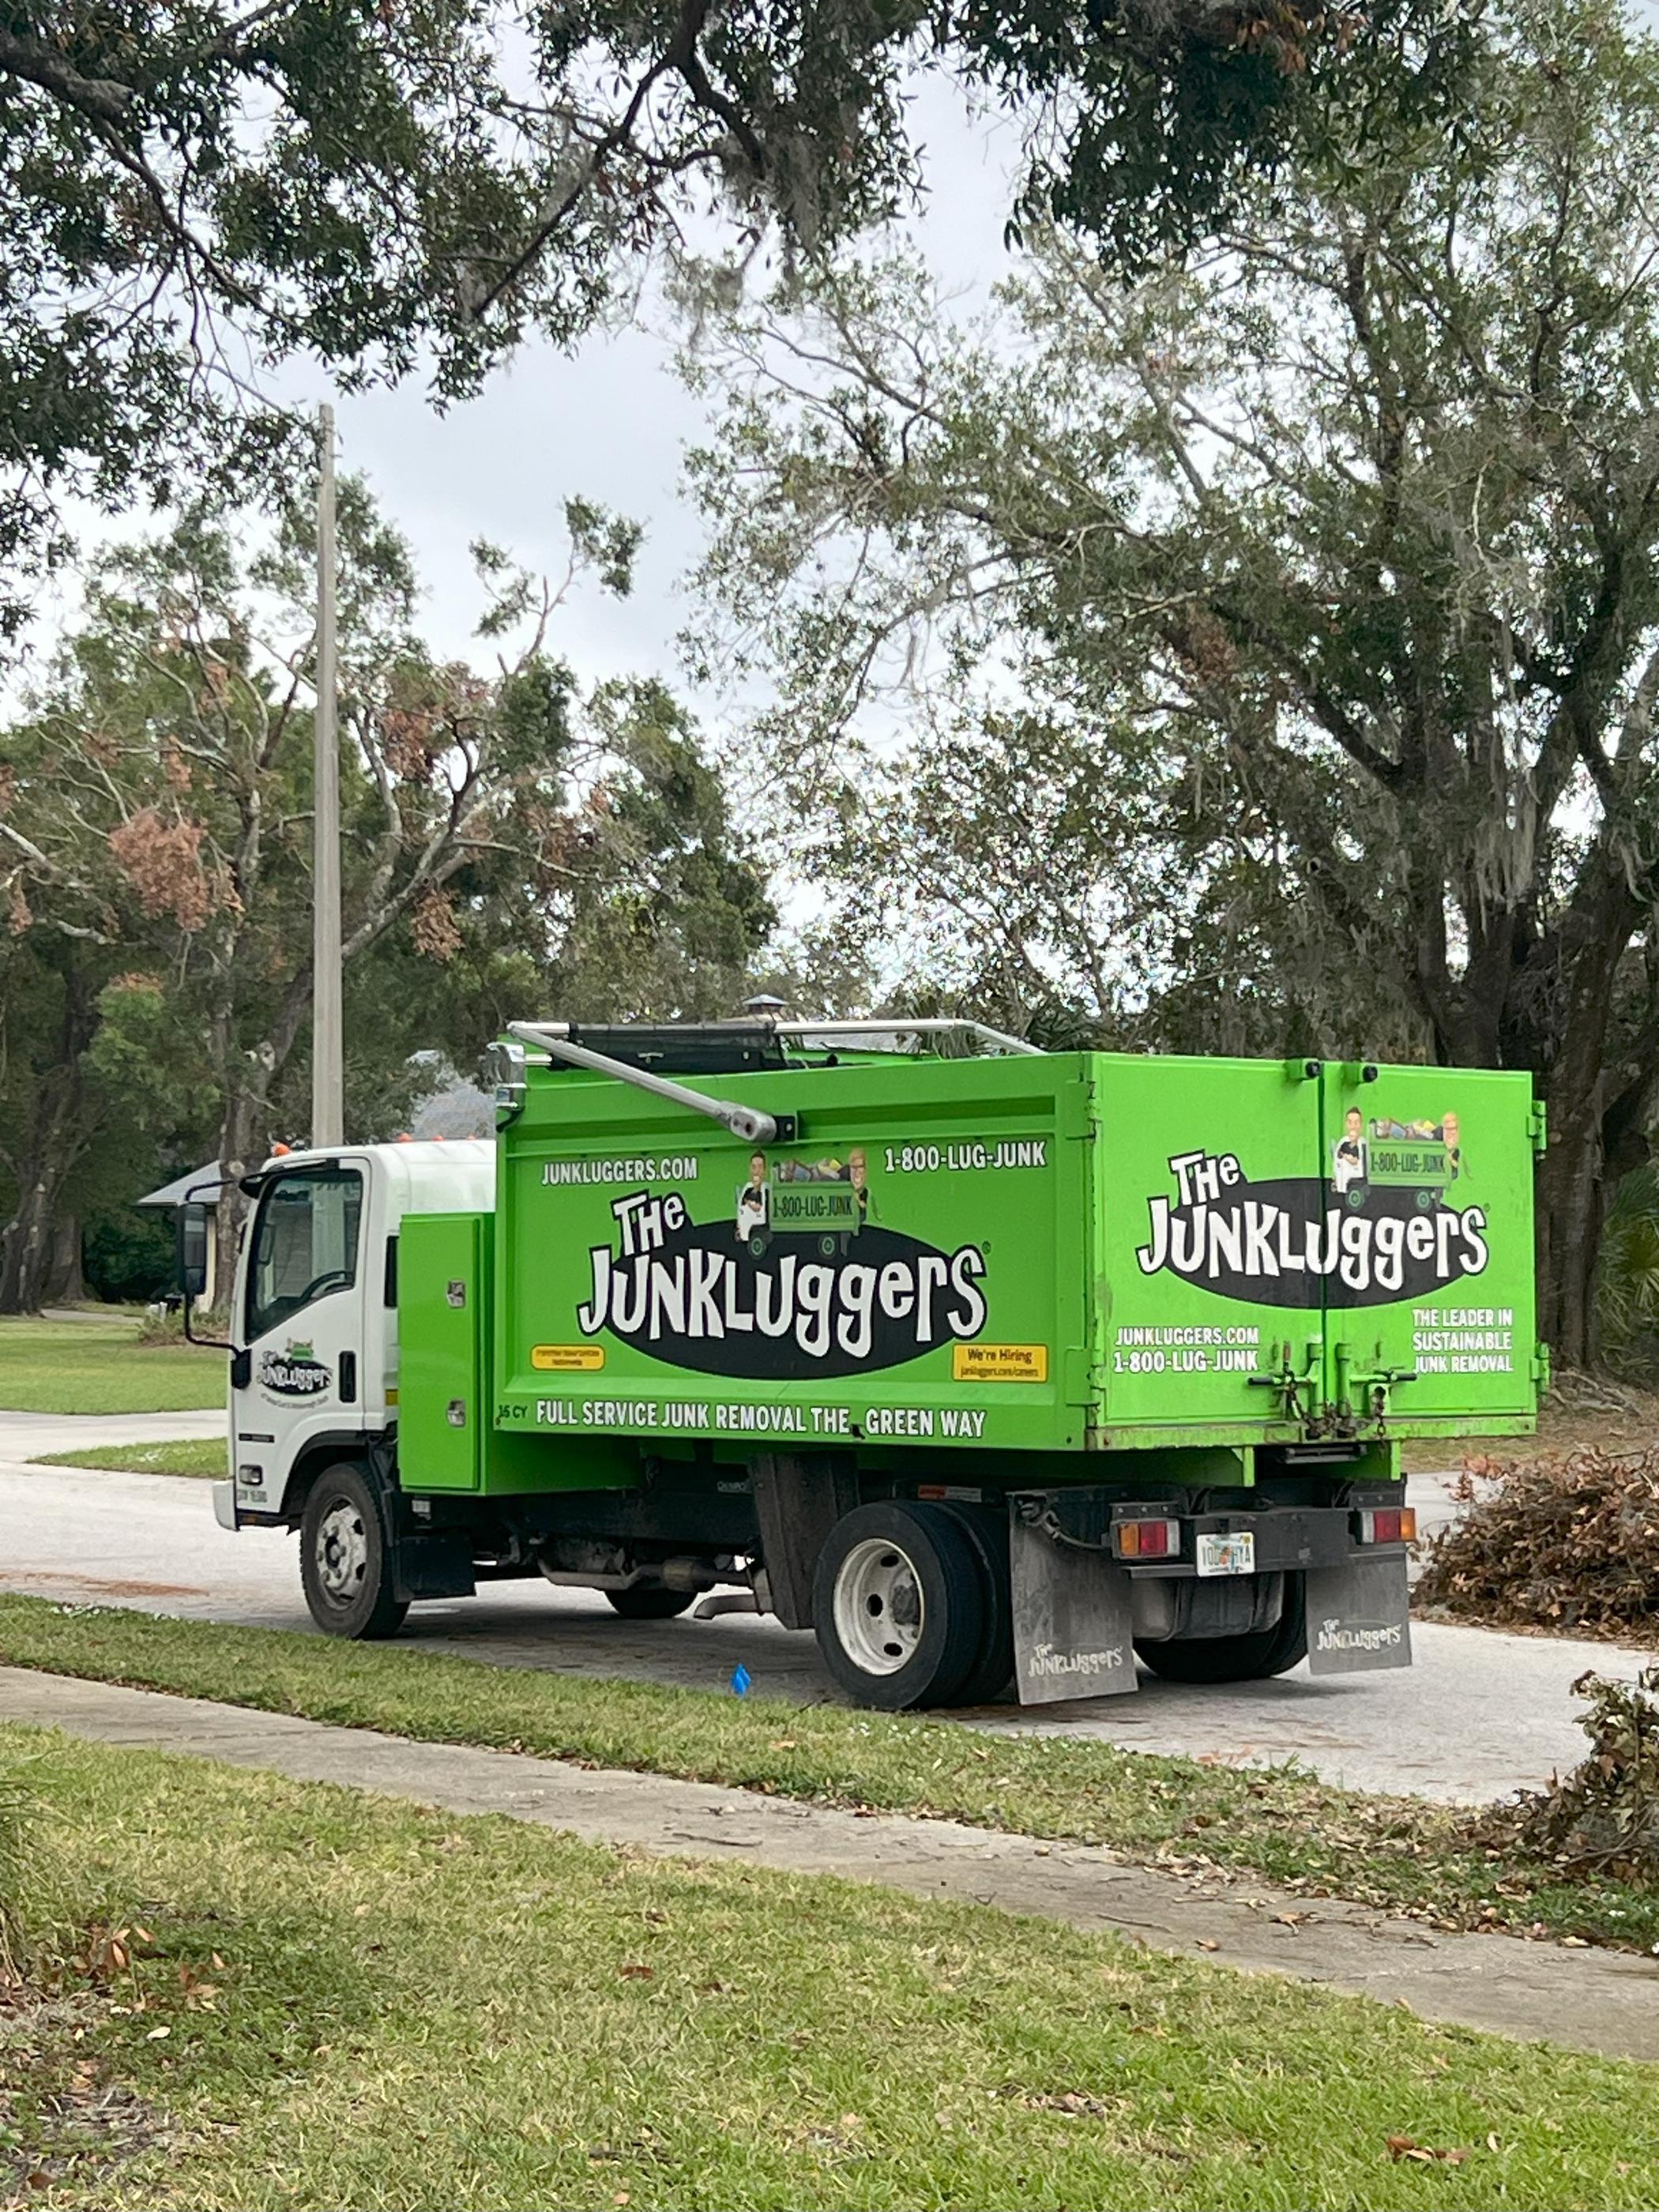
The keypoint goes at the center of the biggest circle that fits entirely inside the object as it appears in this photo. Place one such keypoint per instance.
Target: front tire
(345, 1557)
(898, 1605)
(648, 1602)
(1249, 1658)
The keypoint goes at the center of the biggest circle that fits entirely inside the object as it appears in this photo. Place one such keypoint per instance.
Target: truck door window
(305, 1245)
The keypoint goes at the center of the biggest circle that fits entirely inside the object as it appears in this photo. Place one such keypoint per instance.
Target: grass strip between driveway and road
(250, 1991)
(98, 1367)
(193, 1455)
(1401, 1854)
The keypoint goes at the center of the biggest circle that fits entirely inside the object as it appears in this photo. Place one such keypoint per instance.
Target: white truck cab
(314, 1317)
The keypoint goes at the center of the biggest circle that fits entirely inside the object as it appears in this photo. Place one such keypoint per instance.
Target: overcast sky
(612, 422)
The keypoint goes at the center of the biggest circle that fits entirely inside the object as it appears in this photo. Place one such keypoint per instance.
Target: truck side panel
(908, 1269)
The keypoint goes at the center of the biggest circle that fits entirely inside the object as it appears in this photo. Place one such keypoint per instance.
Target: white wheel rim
(342, 1552)
(880, 1611)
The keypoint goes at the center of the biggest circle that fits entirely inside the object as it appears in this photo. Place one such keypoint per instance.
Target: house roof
(172, 1193)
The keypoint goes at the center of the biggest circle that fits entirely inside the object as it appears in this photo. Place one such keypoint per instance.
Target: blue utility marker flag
(740, 1679)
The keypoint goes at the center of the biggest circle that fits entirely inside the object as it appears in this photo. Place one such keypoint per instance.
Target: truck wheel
(1249, 1658)
(992, 1673)
(345, 1563)
(897, 1605)
(645, 1602)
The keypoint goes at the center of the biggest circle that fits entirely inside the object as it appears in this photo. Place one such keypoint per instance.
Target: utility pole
(327, 1049)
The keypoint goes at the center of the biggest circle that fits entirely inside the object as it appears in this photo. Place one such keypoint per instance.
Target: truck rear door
(1429, 1310)
(1210, 1304)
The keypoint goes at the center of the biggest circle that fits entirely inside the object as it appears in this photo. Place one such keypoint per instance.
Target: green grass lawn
(335, 2000)
(1282, 1824)
(197, 1455)
(99, 1367)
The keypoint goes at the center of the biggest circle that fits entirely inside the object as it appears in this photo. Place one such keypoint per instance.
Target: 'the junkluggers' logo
(790, 1293)
(1296, 1241)
(293, 1372)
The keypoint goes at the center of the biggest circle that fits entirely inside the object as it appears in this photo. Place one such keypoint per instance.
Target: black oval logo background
(298, 1378)
(749, 1354)
(1307, 1203)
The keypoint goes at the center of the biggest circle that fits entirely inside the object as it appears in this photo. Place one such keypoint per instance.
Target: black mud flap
(436, 1563)
(1358, 1617)
(1073, 1624)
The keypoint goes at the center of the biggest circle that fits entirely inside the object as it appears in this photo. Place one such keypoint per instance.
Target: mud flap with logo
(1073, 1627)
(1358, 1617)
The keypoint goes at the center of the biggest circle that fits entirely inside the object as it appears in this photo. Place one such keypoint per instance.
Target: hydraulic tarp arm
(745, 1123)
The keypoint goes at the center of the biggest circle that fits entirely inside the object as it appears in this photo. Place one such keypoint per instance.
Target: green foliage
(130, 1256)
(370, 187)
(508, 844)
(1323, 567)
(1628, 1282)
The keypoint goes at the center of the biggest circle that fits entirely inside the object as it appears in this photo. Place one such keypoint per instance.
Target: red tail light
(1147, 1539)
(1387, 1525)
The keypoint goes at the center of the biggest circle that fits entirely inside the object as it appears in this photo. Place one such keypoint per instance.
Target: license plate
(1227, 1555)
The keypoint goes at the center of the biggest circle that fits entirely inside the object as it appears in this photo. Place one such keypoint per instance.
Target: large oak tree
(1281, 635)
(191, 193)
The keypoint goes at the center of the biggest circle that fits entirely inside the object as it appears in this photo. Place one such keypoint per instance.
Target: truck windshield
(305, 1244)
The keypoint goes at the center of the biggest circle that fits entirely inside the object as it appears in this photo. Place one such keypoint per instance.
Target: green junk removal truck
(987, 1364)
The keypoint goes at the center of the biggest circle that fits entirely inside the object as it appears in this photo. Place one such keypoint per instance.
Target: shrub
(1565, 1542)
(1603, 1819)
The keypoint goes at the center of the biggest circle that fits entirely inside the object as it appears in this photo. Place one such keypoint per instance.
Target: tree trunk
(65, 1284)
(26, 1243)
(1571, 1186)
(242, 1139)
(1571, 1199)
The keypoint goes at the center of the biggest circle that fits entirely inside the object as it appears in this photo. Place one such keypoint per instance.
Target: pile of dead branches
(1603, 1818)
(1568, 1543)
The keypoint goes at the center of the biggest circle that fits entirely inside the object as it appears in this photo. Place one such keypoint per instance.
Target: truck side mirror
(191, 1230)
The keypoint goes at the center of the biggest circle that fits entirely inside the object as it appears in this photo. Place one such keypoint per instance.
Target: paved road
(1478, 1714)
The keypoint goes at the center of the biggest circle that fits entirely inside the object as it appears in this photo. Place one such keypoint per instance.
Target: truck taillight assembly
(1387, 1525)
(1145, 1540)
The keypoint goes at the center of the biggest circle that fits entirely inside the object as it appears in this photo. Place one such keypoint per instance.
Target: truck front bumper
(224, 1504)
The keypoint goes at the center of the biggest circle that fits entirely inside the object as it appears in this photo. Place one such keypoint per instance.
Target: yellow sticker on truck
(1000, 1362)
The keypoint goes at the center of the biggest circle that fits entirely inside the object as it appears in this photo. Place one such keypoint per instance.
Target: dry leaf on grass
(1417, 2154)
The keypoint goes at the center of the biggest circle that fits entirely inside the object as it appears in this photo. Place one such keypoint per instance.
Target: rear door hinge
(1538, 1127)
(1540, 1369)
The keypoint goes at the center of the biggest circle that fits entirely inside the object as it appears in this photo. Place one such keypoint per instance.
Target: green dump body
(1025, 1262)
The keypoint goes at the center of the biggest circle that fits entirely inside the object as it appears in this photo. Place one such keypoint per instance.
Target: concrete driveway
(1478, 1715)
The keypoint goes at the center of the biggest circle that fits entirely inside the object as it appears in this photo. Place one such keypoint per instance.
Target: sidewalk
(1601, 2000)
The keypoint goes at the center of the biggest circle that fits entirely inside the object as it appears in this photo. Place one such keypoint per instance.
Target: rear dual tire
(1252, 1657)
(907, 1604)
